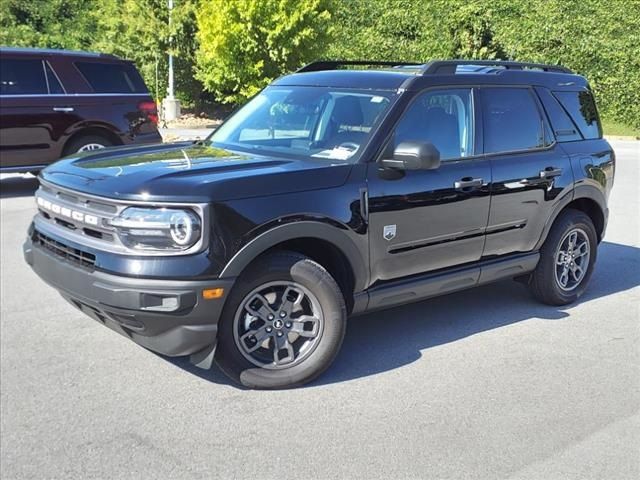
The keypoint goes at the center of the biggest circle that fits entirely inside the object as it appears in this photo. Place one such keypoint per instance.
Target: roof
(408, 76)
(54, 51)
(364, 79)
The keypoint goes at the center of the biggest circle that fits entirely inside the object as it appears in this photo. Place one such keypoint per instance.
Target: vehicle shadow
(385, 340)
(18, 186)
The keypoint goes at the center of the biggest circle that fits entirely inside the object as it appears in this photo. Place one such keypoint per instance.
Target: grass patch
(618, 129)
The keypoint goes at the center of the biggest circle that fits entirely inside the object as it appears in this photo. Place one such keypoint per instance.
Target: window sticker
(337, 153)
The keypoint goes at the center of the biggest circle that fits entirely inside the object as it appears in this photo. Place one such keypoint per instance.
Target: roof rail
(58, 51)
(335, 64)
(444, 67)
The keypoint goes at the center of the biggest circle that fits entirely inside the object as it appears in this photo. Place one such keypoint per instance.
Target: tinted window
(563, 126)
(22, 77)
(112, 77)
(52, 80)
(511, 120)
(582, 108)
(442, 117)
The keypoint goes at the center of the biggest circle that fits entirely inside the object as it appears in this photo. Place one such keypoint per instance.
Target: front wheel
(283, 323)
(566, 259)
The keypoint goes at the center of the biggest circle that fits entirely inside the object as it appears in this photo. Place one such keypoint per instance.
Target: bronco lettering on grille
(67, 212)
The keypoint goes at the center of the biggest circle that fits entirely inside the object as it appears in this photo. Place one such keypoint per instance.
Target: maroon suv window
(112, 77)
(22, 77)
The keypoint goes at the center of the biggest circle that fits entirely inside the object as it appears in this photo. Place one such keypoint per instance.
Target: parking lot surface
(485, 383)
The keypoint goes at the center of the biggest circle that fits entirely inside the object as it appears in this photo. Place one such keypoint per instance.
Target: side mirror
(414, 156)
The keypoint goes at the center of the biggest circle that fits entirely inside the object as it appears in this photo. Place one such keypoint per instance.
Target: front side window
(511, 120)
(314, 122)
(112, 77)
(22, 77)
(442, 117)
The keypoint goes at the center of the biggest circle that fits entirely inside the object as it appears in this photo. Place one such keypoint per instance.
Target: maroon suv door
(30, 112)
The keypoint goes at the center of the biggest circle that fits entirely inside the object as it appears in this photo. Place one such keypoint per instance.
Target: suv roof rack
(444, 67)
(434, 67)
(335, 64)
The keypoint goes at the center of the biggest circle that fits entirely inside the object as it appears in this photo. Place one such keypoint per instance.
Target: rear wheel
(87, 143)
(566, 259)
(283, 323)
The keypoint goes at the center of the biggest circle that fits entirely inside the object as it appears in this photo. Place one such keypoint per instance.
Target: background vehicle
(331, 193)
(57, 102)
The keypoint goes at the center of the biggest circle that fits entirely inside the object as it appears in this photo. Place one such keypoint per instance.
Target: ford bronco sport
(333, 192)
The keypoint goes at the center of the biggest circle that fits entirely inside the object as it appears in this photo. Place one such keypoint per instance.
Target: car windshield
(312, 122)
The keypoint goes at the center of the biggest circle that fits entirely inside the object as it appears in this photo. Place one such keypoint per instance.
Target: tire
(547, 279)
(311, 294)
(85, 142)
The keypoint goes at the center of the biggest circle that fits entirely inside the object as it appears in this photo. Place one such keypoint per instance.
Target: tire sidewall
(568, 222)
(75, 145)
(293, 268)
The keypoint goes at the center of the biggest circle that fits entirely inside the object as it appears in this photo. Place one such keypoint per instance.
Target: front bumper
(167, 316)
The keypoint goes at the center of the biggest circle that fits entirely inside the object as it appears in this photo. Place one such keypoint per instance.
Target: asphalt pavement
(485, 383)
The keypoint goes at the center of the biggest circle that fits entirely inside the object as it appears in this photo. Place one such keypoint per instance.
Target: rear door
(531, 172)
(425, 220)
(29, 93)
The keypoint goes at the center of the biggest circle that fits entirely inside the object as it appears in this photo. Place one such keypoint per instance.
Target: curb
(624, 138)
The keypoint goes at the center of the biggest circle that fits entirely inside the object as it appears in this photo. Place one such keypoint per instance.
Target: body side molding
(422, 287)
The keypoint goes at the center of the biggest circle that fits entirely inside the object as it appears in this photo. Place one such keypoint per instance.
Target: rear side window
(511, 120)
(22, 77)
(582, 109)
(112, 77)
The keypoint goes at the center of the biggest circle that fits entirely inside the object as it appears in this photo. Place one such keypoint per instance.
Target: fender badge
(389, 232)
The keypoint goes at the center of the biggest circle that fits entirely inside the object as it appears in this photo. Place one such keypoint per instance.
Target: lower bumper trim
(133, 307)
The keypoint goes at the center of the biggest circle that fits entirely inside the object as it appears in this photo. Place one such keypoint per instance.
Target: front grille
(69, 210)
(74, 255)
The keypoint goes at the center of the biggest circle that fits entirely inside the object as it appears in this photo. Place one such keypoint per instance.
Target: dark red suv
(57, 102)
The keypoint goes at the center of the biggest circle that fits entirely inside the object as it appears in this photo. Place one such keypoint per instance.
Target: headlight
(169, 229)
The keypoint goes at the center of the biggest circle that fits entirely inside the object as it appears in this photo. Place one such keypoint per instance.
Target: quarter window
(511, 120)
(22, 77)
(442, 117)
(582, 109)
(112, 77)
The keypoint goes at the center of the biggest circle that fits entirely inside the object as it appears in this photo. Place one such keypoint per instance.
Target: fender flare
(301, 229)
(587, 191)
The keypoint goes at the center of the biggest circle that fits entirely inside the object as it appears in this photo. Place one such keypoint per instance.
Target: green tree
(140, 31)
(471, 28)
(403, 30)
(47, 23)
(245, 44)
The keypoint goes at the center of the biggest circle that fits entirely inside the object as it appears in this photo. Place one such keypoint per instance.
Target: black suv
(331, 193)
(58, 102)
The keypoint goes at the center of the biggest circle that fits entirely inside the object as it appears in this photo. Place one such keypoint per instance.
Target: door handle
(468, 182)
(550, 172)
(63, 109)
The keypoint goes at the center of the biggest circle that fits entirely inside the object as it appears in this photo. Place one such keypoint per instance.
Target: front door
(425, 220)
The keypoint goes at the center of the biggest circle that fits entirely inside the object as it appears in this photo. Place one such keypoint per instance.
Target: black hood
(188, 171)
